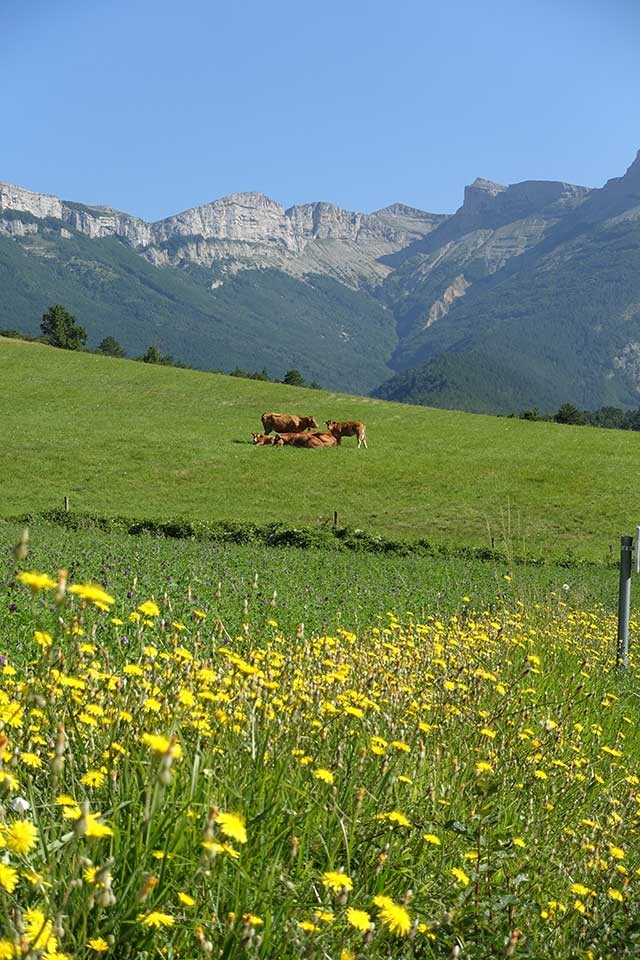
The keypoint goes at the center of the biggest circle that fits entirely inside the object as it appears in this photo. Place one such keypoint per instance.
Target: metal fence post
(624, 602)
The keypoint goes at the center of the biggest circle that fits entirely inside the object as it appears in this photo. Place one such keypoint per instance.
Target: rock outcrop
(242, 230)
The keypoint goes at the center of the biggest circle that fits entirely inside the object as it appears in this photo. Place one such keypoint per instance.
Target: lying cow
(287, 423)
(312, 441)
(262, 440)
(348, 428)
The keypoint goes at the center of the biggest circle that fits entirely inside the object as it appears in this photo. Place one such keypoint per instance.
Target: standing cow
(287, 423)
(348, 428)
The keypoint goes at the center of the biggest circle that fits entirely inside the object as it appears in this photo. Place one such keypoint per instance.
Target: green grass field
(126, 438)
(234, 750)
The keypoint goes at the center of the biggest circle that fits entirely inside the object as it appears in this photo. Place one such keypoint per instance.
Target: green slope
(256, 319)
(119, 437)
(564, 327)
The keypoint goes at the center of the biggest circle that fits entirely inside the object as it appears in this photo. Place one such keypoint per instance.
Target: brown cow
(312, 441)
(287, 423)
(262, 440)
(348, 428)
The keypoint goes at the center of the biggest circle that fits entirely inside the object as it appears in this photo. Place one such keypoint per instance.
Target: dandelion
(483, 767)
(431, 838)
(460, 876)
(98, 944)
(616, 894)
(31, 760)
(395, 816)
(8, 877)
(91, 593)
(186, 899)
(394, 916)
(325, 775)
(252, 920)
(308, 926)
(232, 825)
(156, 919)
(336, 881)
(39, 931)
(359, 919)
(21, 836)
(93, 778)
(43, 639)
(37, 581)
(149, 608)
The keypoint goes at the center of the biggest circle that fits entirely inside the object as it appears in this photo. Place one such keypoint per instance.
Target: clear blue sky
(154, 106)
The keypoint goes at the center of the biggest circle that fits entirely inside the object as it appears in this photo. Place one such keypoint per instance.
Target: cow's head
(330, 423)
(309, 422)
(259, 438)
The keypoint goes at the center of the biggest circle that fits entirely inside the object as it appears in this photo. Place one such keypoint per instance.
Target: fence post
(624, 602)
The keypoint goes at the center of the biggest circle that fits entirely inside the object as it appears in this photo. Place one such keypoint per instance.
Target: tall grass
(423, 787)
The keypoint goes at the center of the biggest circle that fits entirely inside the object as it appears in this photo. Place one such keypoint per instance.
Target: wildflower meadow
(436, 784)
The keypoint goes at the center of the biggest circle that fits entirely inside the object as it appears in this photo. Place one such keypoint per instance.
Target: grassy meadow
(126, 438)
(248, 752)
(184, 772)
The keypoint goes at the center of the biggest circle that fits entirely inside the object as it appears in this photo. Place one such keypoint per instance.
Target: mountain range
(528, 295)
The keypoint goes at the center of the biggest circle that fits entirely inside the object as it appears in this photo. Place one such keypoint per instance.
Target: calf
(312, 441)
(348, 428)
(262, 440)
(287, 423)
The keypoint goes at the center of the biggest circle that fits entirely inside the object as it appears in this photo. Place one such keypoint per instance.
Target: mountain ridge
(404, 287)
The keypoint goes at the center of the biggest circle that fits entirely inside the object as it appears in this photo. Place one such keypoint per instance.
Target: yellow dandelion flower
(395, 918)
(252, 920)
(64, 800)
(43, 639)
(581, 890)
(186, 899)
(161, 744)
(232, 825)
(431, 838)
(156, 919)
(214, 848)
(8, 877)
(149, 608)
(460, 876)
(92, 594)
(337, 881)
(31, 760)
(37, 581)
(93, 778)
(21, 836)
(308, 926)
(483, 767)
(38, 931)
(616, 894)
(359, 919)
(98, 944)
(325, 775)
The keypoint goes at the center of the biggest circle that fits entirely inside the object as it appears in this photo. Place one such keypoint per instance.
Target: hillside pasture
(132, 439)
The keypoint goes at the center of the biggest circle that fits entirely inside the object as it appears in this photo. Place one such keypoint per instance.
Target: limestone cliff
(243, 230)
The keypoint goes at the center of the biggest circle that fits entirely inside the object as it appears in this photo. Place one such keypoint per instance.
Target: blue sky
(154, 106)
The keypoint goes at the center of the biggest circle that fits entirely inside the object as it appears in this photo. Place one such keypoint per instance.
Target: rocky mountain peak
(480, 193)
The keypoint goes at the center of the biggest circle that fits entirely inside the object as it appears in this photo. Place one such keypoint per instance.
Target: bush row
(324, 537)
